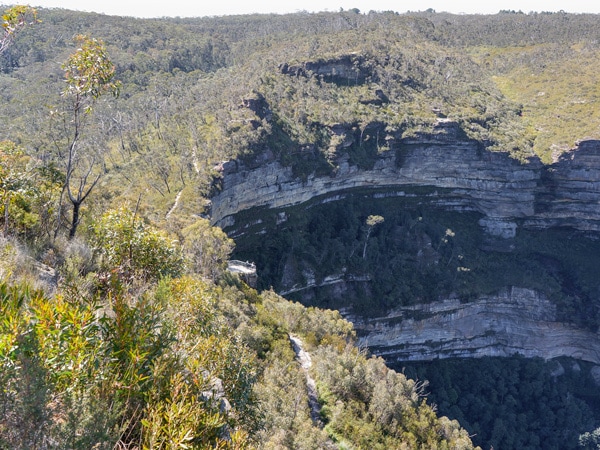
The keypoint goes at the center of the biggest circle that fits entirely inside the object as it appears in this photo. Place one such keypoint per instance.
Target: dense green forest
(418, 254)
(515, 402)
(120, 325)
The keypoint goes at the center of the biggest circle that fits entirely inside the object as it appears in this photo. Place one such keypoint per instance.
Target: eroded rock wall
(566, 193)
(514, 321)
(461, 176)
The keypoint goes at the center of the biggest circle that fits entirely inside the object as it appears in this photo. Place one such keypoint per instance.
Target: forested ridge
(120, 325)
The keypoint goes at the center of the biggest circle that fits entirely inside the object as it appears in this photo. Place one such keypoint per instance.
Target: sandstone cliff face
(347, 69)
(460, 176)
(566, 193)
(515, 321)
(569, 190)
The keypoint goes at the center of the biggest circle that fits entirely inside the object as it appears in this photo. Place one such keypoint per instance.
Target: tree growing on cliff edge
(89, 74)
(372, 222)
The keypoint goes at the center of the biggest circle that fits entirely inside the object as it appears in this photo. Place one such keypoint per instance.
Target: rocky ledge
(506, 191)
(515, 321)
(456, 174)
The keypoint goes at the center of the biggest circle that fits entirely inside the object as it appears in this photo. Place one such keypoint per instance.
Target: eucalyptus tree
(372, 222)
(89, 74)
(14, 20)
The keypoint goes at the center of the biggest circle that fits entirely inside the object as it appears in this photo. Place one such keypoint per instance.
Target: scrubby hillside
(127, 361)
(121, 333)
(122, 326)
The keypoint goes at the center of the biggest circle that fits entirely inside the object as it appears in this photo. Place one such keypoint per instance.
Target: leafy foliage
(27, 192)
(207, 249)
(122, 371)
(88, 71)
(15, 181)
(13, 21)
(371, 406)
(131, 247)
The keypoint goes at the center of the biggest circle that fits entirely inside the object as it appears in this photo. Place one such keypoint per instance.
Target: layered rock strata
(459, 175)
(515, 321)
(503, 189)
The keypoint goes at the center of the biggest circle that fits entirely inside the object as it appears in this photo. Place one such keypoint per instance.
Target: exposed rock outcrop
(447, 170)
(245, 270)
(515, 321)
(468, 177)
(346, 69)
(471, 178)
(305, 361)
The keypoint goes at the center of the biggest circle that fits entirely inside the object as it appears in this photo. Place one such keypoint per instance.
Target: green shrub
(128, 245)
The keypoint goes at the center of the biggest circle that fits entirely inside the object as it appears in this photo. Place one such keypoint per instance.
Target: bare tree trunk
(59, 216)
(364, 254)
(75, 220)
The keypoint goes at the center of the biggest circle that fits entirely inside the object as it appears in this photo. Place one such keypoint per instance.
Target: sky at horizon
(187, 8)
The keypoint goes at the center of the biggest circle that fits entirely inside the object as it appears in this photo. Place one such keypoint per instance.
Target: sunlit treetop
(14, 20)
(89, 71)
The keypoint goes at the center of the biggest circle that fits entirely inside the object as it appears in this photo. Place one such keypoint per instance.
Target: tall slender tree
(372, 222)
(89, 74)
